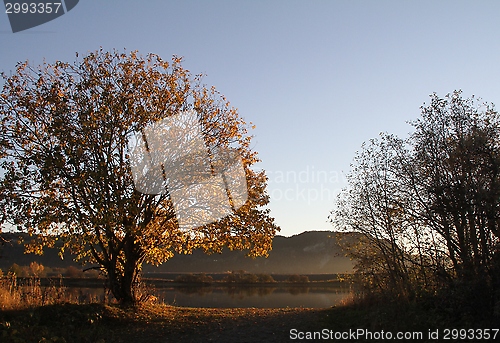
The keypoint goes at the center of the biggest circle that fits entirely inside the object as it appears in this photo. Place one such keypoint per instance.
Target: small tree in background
(37, 269)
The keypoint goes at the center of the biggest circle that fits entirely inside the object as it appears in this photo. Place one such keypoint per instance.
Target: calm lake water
(238, 296)
(258, 297)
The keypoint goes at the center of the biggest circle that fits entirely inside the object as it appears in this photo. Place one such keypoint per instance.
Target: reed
(24, 293)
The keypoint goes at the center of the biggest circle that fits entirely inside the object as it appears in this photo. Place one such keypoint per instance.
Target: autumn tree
(65, 131)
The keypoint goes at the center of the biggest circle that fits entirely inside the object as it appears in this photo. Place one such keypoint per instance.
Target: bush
(18, 271)
(73, 272)
(249, 278)
(265, 278)
(242, 277)
(236, 277)
(91, 273)
(298, 278)
(194, 278)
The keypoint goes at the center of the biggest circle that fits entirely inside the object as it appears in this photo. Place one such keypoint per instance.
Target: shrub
(234, 277)
(242, 277)
(298, 278)
(73, 272)
(265, 278)
(249, 278)
(18, 270)
(194, 278)
(91, 274)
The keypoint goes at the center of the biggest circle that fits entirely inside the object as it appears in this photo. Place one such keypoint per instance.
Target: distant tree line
(238, 277)
(426, 209)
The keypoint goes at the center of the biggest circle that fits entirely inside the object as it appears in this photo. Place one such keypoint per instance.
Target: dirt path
(225, 326)
(263, 327)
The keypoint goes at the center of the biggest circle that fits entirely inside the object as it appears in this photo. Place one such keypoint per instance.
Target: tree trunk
(121, 286)
(122, 281)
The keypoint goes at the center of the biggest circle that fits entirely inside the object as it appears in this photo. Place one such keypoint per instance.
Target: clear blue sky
(317, 78)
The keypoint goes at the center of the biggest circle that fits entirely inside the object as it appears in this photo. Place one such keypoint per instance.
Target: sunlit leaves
(63, 146)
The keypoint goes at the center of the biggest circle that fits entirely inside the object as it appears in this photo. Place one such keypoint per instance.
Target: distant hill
(12, 252)
(312, 252)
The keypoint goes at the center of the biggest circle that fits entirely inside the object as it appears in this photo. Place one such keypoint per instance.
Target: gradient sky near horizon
(317, 78)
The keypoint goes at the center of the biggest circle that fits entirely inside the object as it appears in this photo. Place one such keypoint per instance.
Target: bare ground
(98, 323)
(225, 325)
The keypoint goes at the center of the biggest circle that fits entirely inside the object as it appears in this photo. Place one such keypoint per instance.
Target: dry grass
(25, 293)
(351, 299)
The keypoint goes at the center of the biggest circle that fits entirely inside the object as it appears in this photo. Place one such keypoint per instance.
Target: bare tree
(428, 205)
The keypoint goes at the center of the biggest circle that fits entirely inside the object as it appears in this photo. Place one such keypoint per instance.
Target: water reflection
(253, 296)
(231, 296)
